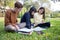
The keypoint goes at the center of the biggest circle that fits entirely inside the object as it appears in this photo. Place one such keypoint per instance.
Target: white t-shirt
(37, 18)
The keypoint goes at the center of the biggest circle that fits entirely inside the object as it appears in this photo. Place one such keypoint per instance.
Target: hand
(43, 21)
(15, 26)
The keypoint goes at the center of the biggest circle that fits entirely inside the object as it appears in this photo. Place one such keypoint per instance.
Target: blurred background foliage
(4, 4)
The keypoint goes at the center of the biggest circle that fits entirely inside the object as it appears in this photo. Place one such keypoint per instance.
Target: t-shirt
(37, 18)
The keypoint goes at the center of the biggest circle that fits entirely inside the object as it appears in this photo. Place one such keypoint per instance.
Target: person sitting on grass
(39, 18)
(11, 17)
(26, 18)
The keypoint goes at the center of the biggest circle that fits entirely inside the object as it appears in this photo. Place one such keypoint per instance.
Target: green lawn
(53, 33)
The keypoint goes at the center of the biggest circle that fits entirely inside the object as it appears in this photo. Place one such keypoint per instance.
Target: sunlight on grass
(53, 33)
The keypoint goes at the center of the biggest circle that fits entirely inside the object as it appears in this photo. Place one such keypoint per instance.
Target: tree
(27, 5)
(30, 3)
(10, 3)
(1, 2)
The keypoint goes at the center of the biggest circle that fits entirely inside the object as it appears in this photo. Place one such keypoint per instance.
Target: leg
(10, 28)
(21, 25)
(44, 25)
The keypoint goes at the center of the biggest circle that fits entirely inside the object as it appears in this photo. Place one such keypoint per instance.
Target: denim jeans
(44, 25)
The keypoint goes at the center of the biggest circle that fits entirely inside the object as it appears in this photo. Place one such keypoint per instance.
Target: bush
(55, 15)
(22, 13)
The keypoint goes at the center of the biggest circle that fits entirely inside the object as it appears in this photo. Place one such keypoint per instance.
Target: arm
(35, 20)
(28, 22)
(43, 21)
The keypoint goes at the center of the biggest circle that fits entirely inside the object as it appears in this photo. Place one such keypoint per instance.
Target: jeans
(44, 25)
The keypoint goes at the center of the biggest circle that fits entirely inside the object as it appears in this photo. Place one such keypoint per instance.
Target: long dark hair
(43, 11)
(31, 10)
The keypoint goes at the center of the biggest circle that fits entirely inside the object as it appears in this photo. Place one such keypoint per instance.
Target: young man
(11, 17)
(26, 18)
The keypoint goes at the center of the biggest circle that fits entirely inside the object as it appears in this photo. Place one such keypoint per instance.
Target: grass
(53, 33)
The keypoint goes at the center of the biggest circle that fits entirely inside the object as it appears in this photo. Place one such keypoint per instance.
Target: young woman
(39, 18)
(26, 18)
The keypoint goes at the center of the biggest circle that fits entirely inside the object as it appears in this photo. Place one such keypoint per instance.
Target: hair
(18, 5)
(43, 11)
(32, 9)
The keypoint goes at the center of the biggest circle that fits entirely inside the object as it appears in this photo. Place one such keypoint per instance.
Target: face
(33, 13)
(41, 11)
(19, 9)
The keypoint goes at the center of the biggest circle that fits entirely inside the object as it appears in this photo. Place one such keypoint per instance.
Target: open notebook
(26, 30)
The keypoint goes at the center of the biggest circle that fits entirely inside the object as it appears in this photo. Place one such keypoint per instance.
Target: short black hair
(18, 5)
